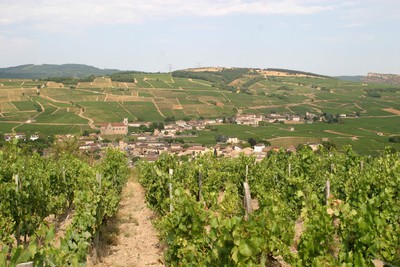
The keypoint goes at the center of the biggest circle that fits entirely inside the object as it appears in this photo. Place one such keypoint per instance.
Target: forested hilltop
(31, 71)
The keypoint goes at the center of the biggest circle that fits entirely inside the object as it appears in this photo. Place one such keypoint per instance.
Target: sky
(330, 37)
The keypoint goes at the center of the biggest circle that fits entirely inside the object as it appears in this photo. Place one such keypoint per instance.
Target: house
(20, 136)
(34, 137)
(237, 148)
(232, 140)
(259, 147)
(291, 149)
(247, 151)
(114, 129)
(122, 145)
(142, 138)
(314, 146)
(7, 137)
(89, 147)
(274, 117)
(181, 123)
(296, 118)
(196, 150)
(176, 146)
(249, 119)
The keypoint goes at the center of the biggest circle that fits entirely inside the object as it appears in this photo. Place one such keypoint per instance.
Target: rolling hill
(31, 71)
(379, 78)
(368, 112)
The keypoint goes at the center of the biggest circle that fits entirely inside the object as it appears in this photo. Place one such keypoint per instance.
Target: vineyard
(306, 209)
(37, 193)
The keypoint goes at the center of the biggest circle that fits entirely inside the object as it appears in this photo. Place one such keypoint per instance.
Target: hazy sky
(331, 37)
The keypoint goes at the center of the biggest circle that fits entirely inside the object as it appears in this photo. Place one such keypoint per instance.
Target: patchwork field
(153, 97)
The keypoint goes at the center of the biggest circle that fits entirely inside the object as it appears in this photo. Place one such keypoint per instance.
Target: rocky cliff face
(382, 78)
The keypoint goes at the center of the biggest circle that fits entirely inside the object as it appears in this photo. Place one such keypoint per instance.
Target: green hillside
(370, 114)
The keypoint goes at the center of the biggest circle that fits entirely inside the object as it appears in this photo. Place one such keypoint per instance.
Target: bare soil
(130, 239)
(392, 110)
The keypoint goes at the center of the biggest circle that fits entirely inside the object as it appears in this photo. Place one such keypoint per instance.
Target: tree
(66, 146)
(169, 119)
(156, 125)
(143, 128)
(221, 138)
(252, 141)
(265, 142)
(329, 145)
(394, 139)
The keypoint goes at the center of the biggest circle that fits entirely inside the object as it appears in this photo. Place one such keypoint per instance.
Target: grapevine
(358, 223)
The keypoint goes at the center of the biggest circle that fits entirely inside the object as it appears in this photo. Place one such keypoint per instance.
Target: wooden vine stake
(171, 173)
(332, 167)
(328, 191)
(97, 235)
(25, 264)
(247, 172)
(18, 230)
(247, 200)
(290, 169)
(362, 165)
(16, 179)
(200, 185)
(98, 178)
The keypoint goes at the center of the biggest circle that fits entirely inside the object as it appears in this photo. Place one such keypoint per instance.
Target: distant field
(103, 112)
(6, 127)
(25, 105)
(53, 129)
(144, 111)
(365, 130)
(155, 96)
(59, 115)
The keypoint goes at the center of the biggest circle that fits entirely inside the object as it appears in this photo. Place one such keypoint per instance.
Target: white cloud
(15, 49)
(368, 12)
(50, 14)
(353, 25)
(9, 45)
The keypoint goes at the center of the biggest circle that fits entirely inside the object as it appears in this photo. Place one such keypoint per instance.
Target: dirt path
(54, 100)
(360, 108)
(145, 80)
(55, 111)
(158, 109)
(124, 108)
(135, 243)
(205, 84)
(90, 120)
(22, 123)
(338, 133)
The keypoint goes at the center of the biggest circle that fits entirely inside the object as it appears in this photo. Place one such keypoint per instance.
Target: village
(143, 140)
(150, 145)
